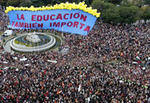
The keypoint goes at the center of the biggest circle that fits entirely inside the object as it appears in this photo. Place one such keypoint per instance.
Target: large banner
(72, 21)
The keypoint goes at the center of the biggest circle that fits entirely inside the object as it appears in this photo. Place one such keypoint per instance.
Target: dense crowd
(3, 19)
(109, 65)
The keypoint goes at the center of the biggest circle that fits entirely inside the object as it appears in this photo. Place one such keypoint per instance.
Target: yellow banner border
(81, 6)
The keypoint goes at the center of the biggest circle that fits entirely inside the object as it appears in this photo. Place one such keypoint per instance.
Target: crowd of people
(109, 65)
(3, 19)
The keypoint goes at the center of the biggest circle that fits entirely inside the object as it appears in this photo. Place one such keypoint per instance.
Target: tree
(138, 3)
(114, 1)
(46, 2)
(13, 2)
(111, 15)
(77, 1)
(108, 6)
(88, 2)
(147, 2)
(25, 3)
(102, 6)
(129, 14)
(98, 4)
(3, 2)
(37, 3)
(145, 13)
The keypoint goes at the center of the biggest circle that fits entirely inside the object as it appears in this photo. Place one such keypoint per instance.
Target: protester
(111, 64)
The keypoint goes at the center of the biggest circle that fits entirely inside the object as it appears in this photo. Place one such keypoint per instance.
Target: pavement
(7, 47)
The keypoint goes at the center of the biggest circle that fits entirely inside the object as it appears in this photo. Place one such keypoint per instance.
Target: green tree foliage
(107, 6)
(114, 1)
(37, 3)
(46, 2)
(145, 13)
(25, 3)
(147, 2)
(88, 2)
(13, 2)
(116, 14)
(102, 7)
(111, 15)
(98, 4)
(138, 3)
(3, 2)
(129, 14)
